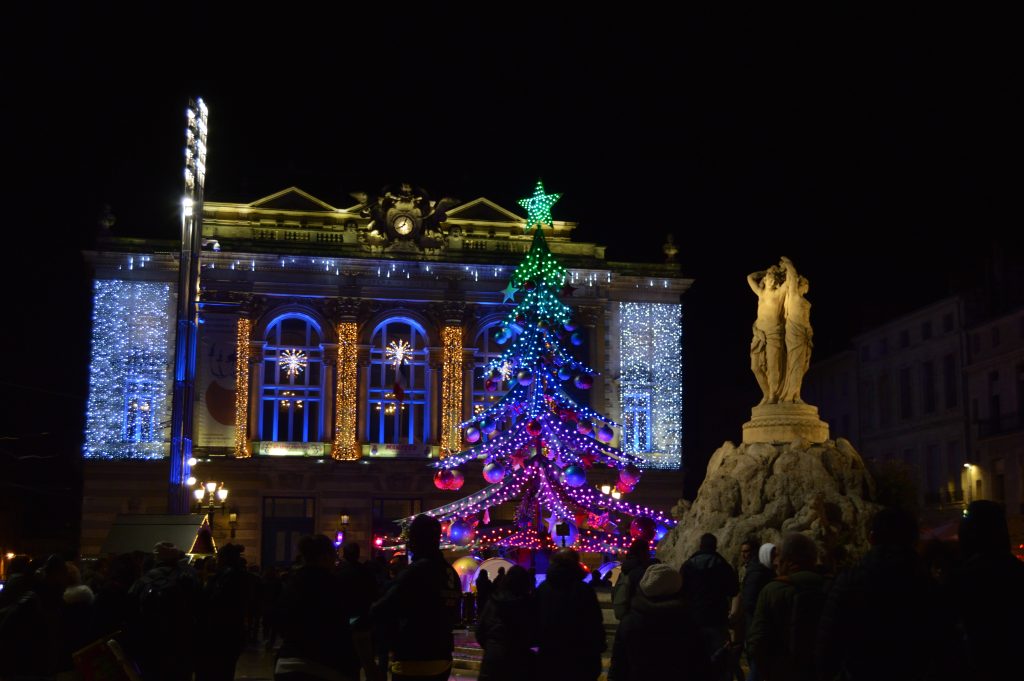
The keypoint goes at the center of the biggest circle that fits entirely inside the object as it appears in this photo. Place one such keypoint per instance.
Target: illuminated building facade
(337, 352)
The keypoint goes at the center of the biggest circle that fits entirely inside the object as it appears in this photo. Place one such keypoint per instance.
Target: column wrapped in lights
(129, 377)
(651, 381)
(242, 340)
(345, 447)
(451, 388)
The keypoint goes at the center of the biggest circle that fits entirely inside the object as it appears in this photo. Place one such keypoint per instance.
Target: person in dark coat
(505, 630)
(656, 639)
(571, 634)
(227, 600)
(884, 620)
(484, 589)
(988, 592)
(359, 583)
(310, 617)
(783, 632)
(709, 582)
(421, 608)
(637, 560)
(758, 573)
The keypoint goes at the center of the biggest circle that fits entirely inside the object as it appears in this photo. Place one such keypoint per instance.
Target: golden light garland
(451, 388)
(242, 340)
(345, 447)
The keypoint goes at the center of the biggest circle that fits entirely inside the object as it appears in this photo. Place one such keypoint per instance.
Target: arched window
(399, 387)
(291, 394)
(486, 349)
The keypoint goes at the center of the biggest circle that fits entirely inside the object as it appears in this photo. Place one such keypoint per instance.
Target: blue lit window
(487, 349)
(291, 394)
(398, 393)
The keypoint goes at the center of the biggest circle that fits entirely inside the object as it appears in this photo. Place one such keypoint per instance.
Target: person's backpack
(808, 604)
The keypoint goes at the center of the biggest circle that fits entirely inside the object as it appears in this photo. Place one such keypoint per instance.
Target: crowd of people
(786, 614)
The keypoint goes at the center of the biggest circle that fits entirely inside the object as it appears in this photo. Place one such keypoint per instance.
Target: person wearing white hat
(657, 638)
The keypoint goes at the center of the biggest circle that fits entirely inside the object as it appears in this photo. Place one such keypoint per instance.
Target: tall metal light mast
(188, 306)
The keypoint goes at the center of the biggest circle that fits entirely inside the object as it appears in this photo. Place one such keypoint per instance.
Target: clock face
(403, 224)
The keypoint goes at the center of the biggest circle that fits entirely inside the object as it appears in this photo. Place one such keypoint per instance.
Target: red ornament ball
(458, 479)
(442, 479)
(534, 428)
(629, 475)
(642, 528)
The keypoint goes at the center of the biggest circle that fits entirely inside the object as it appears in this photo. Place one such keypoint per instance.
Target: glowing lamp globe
(576, 338)
(629, 475)
(605, 434)
(565, 373)
(488, 426)
(584, 381)
(583, 427)
(494, 473)
(460, 533)
(442, 479)
(575, 476)
(525, 377)
(534, 428)
(458, 479)
(642, 528)
(472, 434)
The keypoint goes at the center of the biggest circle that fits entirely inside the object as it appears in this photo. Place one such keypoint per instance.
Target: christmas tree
(538, 442)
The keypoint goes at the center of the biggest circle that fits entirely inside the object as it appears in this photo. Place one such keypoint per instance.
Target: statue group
(780, 351)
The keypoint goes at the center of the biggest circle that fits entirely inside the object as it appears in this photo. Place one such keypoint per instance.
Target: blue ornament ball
(460, 533)
(494, 473)
(584, 381)
(576, 338)
(575, 476)
(565, 373)
(488, 426)
(605, 434)
(569, 326)
(472, 434)
(525, 377)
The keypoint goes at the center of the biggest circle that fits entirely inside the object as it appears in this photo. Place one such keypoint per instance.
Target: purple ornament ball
(525, 377)
(472, 434)
(584, 381)
(629, 475)
(575, 476)
(494, 473)
(605, 434)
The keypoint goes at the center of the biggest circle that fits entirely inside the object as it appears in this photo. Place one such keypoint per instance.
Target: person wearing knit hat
(657, 638)
(661, 580)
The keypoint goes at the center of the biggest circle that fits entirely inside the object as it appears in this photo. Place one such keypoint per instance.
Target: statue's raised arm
(766, 347)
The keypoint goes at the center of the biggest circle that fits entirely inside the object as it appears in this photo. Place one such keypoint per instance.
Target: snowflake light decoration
(293, 361)
(398, 352)
(505, 370)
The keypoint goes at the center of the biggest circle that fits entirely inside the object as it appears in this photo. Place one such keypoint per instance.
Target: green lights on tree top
(538, 206)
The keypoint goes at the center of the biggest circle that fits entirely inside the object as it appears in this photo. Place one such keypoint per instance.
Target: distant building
(940, 391)
(338, 351)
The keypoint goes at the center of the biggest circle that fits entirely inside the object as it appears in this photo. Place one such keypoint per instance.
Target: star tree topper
(538, 206)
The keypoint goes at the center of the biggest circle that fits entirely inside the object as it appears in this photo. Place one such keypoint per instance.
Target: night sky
(871, 148)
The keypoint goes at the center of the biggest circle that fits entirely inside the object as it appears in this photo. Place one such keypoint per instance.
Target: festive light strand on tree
(537, 442)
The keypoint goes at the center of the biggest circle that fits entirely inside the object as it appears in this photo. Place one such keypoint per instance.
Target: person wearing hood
(638, 559)
(571, 634)
(656, 639)
(505, 630)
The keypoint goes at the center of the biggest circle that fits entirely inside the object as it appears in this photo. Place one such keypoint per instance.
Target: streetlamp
(211, 493)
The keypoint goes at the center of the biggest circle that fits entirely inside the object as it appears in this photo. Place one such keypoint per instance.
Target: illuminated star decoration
(510, 293)
(505, 370)
(293, 361)
(398, 352)
(538, 207)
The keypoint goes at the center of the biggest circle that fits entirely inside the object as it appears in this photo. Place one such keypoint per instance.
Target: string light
(129, 377)
(451, 387)
(345, 446)
(651, 381)
(243, 338)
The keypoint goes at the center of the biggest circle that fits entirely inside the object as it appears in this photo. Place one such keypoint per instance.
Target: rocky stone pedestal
(761, 491)
(787, 422)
